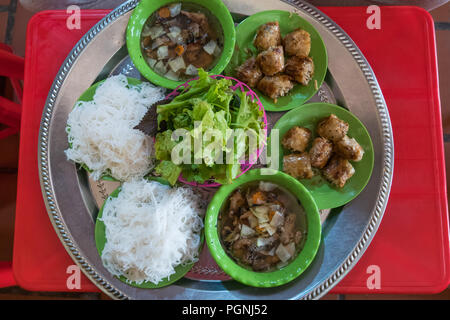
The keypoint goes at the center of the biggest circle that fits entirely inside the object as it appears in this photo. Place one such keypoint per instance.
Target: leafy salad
(211, 127)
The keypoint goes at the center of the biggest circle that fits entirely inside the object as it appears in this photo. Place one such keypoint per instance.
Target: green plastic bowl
(147, 7)
(295, 267)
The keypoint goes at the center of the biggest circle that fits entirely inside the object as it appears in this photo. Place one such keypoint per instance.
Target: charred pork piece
(264, 262)
(151, 53)
(320, 152)
(226, 230)
(275, 86)
(199, 18)
(271, 61)
(230, 235)
(196, 56)
(300, 69)
(236, 201)
(297, 43)
(298, 165)
(298, 237)
(249, 72)
(245, 215)
(349, 148)
(296, 139)
(332, 128)
(268, 36)
(241, 247)
(338, 171)
(146, 41)
(288, 229)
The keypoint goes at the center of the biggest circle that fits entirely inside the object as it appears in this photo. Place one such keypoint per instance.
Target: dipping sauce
(181, 37)
(262, 226)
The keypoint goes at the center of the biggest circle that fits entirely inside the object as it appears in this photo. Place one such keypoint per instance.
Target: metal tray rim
(388, 145)
(388, 149)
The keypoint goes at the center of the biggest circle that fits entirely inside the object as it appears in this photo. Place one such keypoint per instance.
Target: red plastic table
(410, 252)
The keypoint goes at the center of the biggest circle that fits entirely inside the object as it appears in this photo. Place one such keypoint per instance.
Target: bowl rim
(140, 15)
(274, 278)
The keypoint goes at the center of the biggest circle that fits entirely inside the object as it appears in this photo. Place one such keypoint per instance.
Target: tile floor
(13, 21)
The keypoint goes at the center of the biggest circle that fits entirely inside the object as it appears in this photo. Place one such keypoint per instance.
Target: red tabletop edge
(420, 27)
(56, 264)
(36, 237)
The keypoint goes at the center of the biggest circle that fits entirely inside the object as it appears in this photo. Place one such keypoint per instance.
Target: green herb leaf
(169, 171)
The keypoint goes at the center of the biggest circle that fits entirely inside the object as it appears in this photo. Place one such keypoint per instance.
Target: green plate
(326, 194)
(294, 268)
(87, 96)
(289, 21)
(145, 9)
(100, 241)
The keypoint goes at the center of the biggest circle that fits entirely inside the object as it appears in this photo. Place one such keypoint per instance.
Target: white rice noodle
(150, 230)
(101, 131)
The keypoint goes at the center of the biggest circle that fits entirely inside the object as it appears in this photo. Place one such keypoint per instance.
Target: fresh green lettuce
(168, 170)
(208, 104)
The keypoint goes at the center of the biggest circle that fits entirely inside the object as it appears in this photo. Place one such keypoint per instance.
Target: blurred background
(14, 16)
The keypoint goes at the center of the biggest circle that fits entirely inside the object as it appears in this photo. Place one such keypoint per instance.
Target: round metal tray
(72, 199)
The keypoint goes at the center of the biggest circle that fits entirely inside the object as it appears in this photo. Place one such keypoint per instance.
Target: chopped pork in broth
(262, 226)
(181, 37)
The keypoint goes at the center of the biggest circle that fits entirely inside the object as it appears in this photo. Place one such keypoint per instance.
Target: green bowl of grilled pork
(299, 262)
